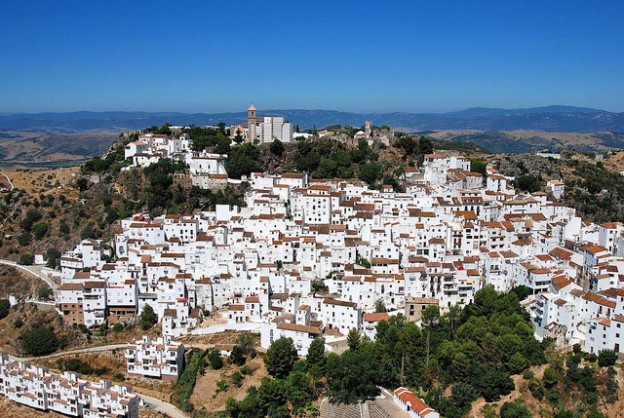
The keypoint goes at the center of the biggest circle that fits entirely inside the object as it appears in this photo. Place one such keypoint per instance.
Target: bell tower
(251, 123)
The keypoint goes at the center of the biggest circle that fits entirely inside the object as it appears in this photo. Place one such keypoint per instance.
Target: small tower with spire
(251, 123)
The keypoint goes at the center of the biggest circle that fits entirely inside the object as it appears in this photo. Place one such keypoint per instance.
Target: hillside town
(311, 259)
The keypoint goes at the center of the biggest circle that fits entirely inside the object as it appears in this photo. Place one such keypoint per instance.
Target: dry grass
(209, 340)
(46, 181)
(13, 282)
(31, 315)
(541, 408)
(205, 392)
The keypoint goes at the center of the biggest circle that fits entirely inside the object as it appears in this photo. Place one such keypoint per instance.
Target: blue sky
(212, 56)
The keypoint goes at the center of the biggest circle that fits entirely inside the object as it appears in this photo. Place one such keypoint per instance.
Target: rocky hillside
(594, 185)
(523, 141)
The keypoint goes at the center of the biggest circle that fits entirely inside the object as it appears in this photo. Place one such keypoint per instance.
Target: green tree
(492, 383)
(88, 232)
(4, 308)
(370, 172)
(463, 395)
(299, 389)
(32, 216)
(53, 256)
(238, 137)
(237, 379)
(430, 319)
(276, 147)
(353, 339)
(551, 377)
(215, 360)
(517, 363)
(272, 394)
(82, 183)
(63, 227)
(380, 306)
(529, 182)
(237, 356)
(246, 342)
(39, 341)
(40, 229)
(607, 358)
(44, 293)
(243, 160)
(280, 357)
(316, 359)
(515, 409)
(148, 317)
(477, 165)
(353, 376)
(26, 259)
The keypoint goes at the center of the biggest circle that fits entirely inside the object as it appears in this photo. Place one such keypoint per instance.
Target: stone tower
(368, 129)
(251, 123)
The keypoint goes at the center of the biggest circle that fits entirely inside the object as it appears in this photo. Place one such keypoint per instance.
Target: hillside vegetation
(469, 357)
(594, 187)
(523, 141)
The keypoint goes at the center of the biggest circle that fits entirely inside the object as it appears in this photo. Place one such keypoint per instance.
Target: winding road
(36, 271)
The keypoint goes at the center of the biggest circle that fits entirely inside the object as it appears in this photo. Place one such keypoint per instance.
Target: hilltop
(55, 139)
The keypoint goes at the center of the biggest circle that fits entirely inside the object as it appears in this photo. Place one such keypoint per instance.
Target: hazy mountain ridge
(549, 118)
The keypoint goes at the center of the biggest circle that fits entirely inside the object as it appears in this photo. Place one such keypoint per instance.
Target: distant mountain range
(549, 119)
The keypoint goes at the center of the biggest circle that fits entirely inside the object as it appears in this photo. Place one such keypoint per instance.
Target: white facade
(66, 393)
(160, 358)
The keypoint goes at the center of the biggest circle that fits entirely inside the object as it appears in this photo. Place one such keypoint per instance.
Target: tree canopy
(280, 357)
(148, 317)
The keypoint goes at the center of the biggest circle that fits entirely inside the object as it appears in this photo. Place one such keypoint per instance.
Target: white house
(413, 404)
(161, 358)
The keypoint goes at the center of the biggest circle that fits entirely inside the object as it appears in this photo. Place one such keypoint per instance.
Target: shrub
(238, 355)
(237, 379)
(118, 327)
(26, 259)
(44, 293)
(528, 374)
(4, 308)
(40, 229)
(39, 341)
(515, 409)
(247, 370)
(222, 386)
(215, 360)
(24, 239)
(607, 358)
(551, 377)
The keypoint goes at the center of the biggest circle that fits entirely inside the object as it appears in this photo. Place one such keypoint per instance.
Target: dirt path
(5, 182)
